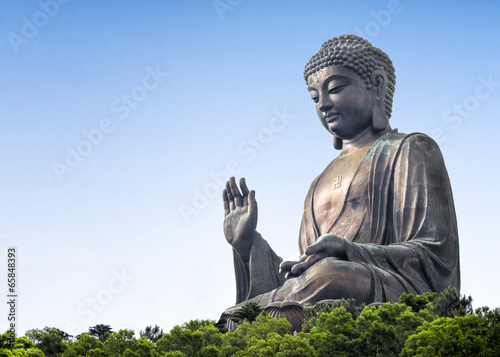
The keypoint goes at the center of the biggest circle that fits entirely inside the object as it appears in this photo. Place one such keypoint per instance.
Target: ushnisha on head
(358, 55)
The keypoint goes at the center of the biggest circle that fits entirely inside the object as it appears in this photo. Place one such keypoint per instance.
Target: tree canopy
(419, 325)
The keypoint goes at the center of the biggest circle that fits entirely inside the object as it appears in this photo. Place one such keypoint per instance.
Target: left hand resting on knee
(328, 245)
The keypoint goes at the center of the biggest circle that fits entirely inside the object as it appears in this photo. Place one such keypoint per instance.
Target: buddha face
(344, 104)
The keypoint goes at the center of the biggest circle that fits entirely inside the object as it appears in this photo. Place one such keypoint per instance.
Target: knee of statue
(290, 310)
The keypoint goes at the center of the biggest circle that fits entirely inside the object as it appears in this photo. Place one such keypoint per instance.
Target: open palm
(240, 216)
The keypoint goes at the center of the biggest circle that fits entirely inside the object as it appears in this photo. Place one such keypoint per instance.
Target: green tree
(249, 338)
(22, 347)
(209, 351)
(34, 352)
(129, 353)
(118, 342)
(96, 352)
(102, 332)
(311, 314)
(492, 320)
(88, 342)
(384, 329)
(145, 348)
(6, 340)
(248, 312)
(417, 302)
(70, 352)
(5, 352)
(449, 303)
(49, 340)
(24, 343)
(265, 337)
(174, 354)
(83, 346)
(211, 336)
(292, 346)
(153, 334)
(471, 335)
(195, 325)
(335, 333)
(184, 340)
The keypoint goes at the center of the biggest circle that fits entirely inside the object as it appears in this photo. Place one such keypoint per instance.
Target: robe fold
(399, 225)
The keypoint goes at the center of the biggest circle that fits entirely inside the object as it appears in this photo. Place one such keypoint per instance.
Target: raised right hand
(240, 217)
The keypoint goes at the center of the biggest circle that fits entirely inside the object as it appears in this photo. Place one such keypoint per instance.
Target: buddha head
(352, 83)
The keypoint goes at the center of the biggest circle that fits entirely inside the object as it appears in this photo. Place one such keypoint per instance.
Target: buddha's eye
(315, 99)
(337, 88)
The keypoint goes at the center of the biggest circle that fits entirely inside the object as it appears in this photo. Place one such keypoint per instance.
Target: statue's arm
(256, 266)
(258, 275)
(418, 238)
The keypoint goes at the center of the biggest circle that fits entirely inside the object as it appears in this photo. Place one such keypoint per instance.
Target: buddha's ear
(378, 80)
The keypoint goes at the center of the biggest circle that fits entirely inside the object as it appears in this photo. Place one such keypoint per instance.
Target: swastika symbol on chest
(337, 182)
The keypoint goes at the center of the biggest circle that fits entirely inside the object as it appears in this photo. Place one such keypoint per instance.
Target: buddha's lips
(330, 118)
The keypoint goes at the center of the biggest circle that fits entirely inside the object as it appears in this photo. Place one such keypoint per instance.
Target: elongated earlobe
(337, 143)
(379, 117)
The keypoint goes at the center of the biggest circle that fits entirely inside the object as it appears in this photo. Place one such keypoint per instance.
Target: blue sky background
(119, 211)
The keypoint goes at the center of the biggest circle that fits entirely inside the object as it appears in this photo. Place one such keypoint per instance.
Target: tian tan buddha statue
(378, 221)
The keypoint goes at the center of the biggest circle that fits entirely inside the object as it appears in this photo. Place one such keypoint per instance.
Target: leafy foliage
(385, 329)
(419, 325)
(183, 340)
(335, 334)
(265, 337)
(153, 334)
(102, 332)
(83, 346)
(417, 302)
(195, 325)
(472, 335)
(48, 340)
(311, 313)
(118, 342)
(449, 303)
(248, 312)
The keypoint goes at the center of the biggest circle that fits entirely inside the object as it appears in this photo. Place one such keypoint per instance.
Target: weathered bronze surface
(377, 222)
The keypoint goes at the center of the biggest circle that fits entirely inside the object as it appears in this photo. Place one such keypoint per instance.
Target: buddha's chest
(332, 189)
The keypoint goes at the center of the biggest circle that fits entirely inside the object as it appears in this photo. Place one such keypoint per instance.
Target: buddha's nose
(325, 105)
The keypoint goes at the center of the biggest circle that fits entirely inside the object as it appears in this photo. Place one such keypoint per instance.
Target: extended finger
(244, 190)
(235, 191)
(286, 266)
(226, 202)
(244, 187)
(299, 268)
(251, 199)
(230, 197)
(315, 248)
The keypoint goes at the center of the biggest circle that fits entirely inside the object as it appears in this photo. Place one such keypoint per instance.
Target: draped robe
(399, 225)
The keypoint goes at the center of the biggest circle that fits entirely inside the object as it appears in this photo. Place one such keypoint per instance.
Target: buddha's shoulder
(413, 147)
(412, 141)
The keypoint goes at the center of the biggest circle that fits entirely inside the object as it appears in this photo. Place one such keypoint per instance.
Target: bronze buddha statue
(378, 221)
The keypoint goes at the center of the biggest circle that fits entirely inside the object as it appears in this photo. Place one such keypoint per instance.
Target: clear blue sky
(118, 119)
